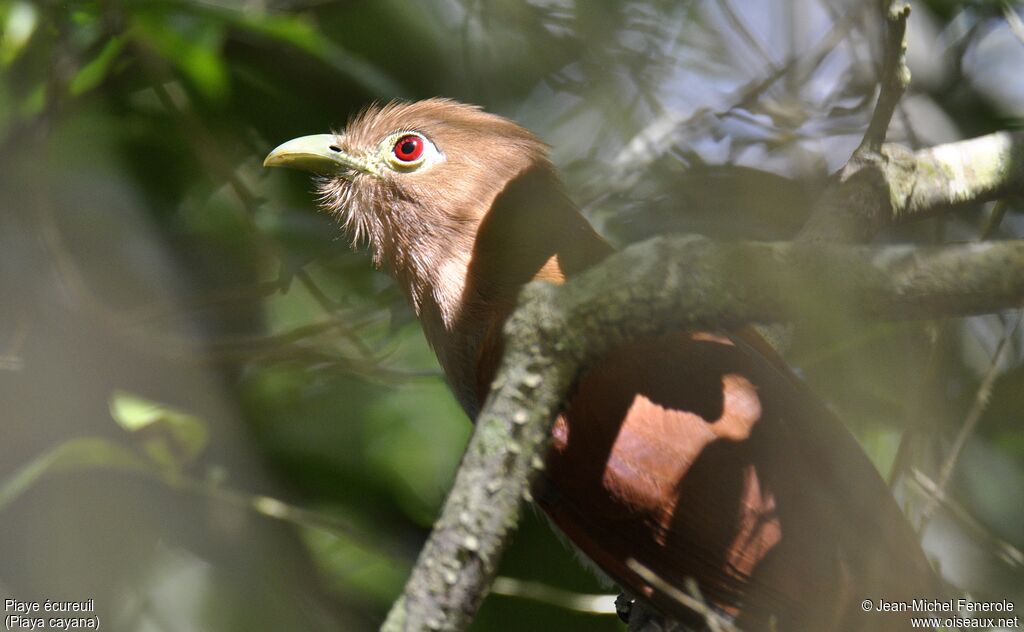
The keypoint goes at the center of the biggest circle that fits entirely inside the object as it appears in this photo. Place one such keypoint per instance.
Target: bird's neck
(531, 231)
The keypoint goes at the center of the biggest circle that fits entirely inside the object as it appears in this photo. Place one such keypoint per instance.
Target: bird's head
(463, 207)
(414, 179)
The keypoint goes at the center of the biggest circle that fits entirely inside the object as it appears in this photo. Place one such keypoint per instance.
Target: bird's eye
(408, 148)
(406, 151)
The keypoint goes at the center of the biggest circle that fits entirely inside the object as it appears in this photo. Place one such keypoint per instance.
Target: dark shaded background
(217, 416)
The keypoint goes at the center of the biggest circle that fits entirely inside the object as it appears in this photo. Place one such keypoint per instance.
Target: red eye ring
(408, 148)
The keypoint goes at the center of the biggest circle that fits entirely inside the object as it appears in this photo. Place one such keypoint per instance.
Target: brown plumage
(697, 454)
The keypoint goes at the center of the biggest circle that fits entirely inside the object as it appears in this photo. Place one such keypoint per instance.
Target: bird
(697, 455)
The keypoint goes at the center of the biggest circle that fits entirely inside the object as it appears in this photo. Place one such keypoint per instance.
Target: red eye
(408, 148)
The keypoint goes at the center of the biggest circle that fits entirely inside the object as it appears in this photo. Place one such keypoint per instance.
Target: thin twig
(1008, 553)
(894, 80)
(714, 620)
(741, 27)
(1013, 21)
(981, 399)
(916, 425)
(553, 596)
(650, 143)
(208, 150)
(995, 220)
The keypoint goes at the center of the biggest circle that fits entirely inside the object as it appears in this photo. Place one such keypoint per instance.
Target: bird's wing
(702, 457)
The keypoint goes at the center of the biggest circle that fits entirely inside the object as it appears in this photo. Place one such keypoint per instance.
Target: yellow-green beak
(318, 153)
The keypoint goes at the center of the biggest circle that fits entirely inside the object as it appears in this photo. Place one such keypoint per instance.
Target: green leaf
(192, 46)
(303, 34)
(169, 437)
(94, 72)
(19, 25)
(87, 453)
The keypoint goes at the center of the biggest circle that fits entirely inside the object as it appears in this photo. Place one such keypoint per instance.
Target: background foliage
(218, 416)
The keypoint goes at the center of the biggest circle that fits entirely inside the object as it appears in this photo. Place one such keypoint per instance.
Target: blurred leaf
(302, 34)
(308, 39)
(19, 25)
(94, 72)
(170, 438)
(417, 435)
(192, 46)
(73, 455)
(84, 16)
(355, 566)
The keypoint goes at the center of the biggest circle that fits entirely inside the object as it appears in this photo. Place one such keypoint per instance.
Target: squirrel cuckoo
(697, 454)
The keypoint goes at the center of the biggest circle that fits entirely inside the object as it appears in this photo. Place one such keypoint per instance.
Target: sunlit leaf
(170, 438)
(21, 22)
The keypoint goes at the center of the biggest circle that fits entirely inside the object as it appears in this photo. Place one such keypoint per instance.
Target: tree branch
(885, 184)
(661, 285)
(895, 185)
(683, 283)
(895, 76)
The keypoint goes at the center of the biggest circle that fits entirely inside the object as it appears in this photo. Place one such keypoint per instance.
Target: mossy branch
(657, 286)
(895, 185)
